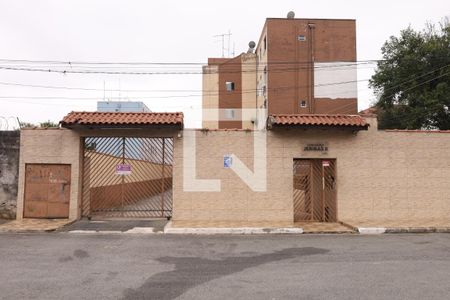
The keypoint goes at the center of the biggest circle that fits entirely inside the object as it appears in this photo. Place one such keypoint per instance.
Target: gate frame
(86, 134)
(321, 159)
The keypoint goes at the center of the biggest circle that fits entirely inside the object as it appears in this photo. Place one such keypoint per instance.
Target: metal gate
(47, 191)
(315, 190)
(127, 177)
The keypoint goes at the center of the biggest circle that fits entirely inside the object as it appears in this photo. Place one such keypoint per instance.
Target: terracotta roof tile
(121, 119)
(371, 111)
(317, 120)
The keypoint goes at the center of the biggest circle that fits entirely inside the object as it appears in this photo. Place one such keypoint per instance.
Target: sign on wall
(227, 161)
(123, 169)
(316, 147)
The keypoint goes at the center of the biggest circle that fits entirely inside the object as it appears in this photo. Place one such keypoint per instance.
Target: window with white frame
(229, 113)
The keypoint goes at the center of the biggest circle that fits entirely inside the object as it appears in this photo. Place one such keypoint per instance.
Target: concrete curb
(135, 230)
(418, 230)
(168, 229)
(371, 230)
(380, 230)
(142, 230)
(95, 232)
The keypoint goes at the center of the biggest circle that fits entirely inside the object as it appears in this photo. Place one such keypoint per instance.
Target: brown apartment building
(299, 66)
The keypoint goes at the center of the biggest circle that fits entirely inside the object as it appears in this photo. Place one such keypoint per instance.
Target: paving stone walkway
(33, 225)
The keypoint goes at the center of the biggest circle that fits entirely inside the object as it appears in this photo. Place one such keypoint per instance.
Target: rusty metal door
(314, 191)
(47, 191)
(127, 177)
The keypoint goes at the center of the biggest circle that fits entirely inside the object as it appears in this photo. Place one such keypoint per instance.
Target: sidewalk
(231, 227)
(223, 227)
(398, 226)
(33, 225)
(320, 227)
(116, 226)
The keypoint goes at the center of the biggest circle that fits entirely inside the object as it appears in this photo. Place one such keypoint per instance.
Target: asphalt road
(127, 266)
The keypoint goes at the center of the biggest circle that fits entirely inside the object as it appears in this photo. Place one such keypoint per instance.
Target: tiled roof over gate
(122, 119)
(312, 120)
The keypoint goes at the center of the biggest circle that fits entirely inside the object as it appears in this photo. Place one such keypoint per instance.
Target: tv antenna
(225, 45)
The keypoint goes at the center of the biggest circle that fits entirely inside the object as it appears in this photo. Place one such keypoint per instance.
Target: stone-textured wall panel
(9, 172)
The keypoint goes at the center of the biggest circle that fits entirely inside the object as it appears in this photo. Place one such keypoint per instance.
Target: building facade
(299, 66)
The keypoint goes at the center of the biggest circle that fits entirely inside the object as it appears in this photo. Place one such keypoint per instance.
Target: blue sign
(227, 161)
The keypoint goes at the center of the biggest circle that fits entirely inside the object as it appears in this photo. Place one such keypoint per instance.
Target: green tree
(412, 82)
(27, 125)
(48, 124)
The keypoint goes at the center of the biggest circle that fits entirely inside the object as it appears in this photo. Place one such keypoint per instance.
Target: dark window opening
(229, 86)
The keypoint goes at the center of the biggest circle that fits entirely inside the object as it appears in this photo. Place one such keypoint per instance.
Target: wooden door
(47, 191)
(314, 192)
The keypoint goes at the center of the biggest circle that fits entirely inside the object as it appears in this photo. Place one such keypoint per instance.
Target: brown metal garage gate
(47, 191)
(127, 177)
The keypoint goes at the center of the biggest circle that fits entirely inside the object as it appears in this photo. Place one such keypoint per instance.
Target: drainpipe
(312, 106)
(256, 88)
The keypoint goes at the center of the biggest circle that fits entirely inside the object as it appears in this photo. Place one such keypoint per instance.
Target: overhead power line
(273, 69)
(159, 63)
(207, 91)
(163, 91)
(59, 62)
(212, 93)
(347, 105)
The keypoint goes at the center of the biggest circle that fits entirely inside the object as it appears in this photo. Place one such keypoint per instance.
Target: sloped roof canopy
(354, 122)
(80, 120)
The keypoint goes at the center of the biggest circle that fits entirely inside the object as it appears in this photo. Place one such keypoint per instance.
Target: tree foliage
(412, 82)
(46, 124)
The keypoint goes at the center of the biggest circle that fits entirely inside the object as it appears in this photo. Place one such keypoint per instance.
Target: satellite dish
(251, 44)
(291, 15)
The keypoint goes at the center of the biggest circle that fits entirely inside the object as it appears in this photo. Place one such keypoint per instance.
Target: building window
(229, 114)
(265, 43)
(229, 86)
(303, 103)
(265, 74)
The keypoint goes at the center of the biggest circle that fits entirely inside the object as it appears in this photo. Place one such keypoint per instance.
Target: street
(135, 266)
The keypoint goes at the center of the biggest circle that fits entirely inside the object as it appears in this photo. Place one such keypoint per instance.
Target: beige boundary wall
(51, 146)
(63, 146)
(381, 175)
